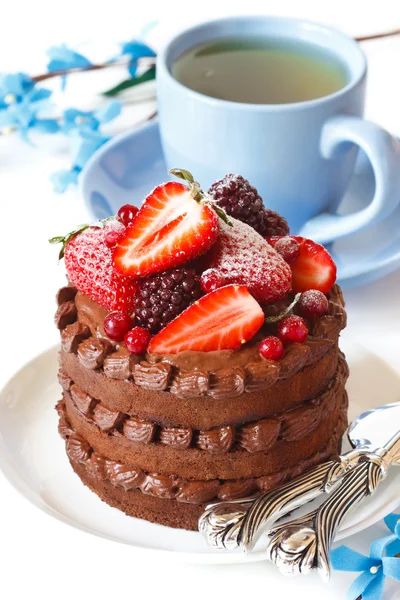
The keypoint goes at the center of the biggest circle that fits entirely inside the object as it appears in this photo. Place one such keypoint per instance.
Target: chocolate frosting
(107, 419)
(222, 374)
(64, 380)
(91, 314)
(65, 314)
(77, 448)
(122, 475)
(83, 401)
(65, 294)
(176, 437)
(95, 465)
(153, 377)
(119, 364)
(92, 352)
(64, 428)
(139, 430)
(220, 439)
(73, 335)
(258, 436)
(175, 487)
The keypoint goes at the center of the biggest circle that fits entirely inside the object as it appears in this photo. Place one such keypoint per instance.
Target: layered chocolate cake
(199, 360)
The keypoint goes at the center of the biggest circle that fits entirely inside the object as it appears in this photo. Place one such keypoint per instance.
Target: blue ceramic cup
(299, 156)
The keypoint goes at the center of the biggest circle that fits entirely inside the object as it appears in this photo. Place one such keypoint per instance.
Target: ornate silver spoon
(227, 525)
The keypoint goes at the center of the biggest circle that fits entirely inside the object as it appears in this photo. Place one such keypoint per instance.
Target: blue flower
(83, 145)
(135, 49)
(85, 137)
(13, 88)
(21, 103)
(78, 120)
(63, 58)
(381, 563)
(393, 523)
(61, 180)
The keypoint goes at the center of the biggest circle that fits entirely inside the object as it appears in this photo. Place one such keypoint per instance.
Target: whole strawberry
(88, 260)
(242, 256)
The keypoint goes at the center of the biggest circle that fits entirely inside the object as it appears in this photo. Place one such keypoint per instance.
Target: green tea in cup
(260, 70)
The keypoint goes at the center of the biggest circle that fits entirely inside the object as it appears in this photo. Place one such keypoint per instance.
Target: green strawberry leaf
(59, 239)
(199, 195)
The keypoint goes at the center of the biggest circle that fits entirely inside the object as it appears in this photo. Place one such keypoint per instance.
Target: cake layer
(256, 436)
(293, 436)
(203, 412)
(235, 380)
(172, 512)
(174, 486)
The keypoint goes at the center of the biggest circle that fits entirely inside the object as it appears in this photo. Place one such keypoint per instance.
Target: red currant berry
(137, 340)
(288, 248)
(313, 303)
(127, 213)
(271, 348)
(117, 324)
(211, 280)
(113, 232)
(292, 329)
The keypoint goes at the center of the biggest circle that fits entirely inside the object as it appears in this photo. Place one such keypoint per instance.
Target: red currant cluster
(293, 328)
(119, 326)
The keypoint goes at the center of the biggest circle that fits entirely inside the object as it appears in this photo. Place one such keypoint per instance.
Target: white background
(40, 556)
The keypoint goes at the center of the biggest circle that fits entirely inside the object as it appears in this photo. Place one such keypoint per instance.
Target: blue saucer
(128, 167)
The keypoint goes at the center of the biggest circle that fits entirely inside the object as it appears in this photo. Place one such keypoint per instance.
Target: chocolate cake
(224, 414)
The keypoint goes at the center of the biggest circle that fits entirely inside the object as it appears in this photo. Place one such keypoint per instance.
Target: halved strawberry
(172, 227)
(222, 320)
(314, 269)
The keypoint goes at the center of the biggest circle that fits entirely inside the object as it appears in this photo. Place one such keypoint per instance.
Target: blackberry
(163, 297)
(240, 200)
(274, 224)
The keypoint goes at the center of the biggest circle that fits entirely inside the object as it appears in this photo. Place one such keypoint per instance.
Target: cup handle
(383, 151)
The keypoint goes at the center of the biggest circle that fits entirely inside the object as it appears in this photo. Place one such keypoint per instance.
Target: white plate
(32, 456)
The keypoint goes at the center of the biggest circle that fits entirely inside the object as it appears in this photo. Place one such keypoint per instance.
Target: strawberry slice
(314, 269)
(222, 320)
(242, 256)
(172, 227)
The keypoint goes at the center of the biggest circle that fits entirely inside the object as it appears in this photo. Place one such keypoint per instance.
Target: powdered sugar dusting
(114, 225)
(242, 256)
(313, 303)
(288, 248)
(230, 181)
(88, 261)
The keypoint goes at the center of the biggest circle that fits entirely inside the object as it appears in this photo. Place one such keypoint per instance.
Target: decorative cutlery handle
(272, 505)
(304, 544)
(220, 523)
(225, 525)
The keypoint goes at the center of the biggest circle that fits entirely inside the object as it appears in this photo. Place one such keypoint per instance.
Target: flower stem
(376, 36)
(148, 61)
